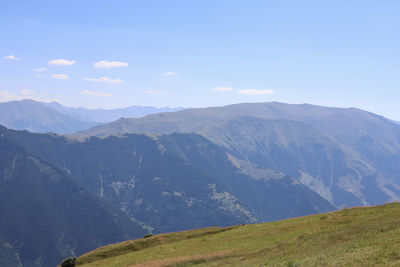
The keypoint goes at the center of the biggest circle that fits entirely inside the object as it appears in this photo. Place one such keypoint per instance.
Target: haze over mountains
(108, 115)
(348, 156)
(53, 117)
(194, 168)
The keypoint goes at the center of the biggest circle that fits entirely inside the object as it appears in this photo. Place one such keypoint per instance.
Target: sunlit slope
(350, 237)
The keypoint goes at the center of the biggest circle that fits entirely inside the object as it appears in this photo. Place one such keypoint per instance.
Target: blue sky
(202, 53)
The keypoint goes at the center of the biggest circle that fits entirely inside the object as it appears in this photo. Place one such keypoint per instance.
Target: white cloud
(256, 92)
(154, 92)
(223, 89)
(40, 69)
(87, 92)
(170, 73)
(7, 96)
(12, 57)
(39, 76)
(27, 92)
(104, 64)
(104, 80)
(60, 76)
(61, 62)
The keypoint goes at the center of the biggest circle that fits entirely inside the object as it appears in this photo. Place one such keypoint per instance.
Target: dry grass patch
(185, 260)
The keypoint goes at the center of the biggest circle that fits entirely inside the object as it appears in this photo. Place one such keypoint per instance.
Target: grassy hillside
(350, 237)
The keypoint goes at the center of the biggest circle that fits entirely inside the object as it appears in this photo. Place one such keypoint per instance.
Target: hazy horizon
(173, 107)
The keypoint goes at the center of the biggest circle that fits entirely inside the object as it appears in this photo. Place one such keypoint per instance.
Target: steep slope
(46, 216)
(351, 237)
(348, 156)
(174, 182)
(37, 117)
(108, 115)
(335, 171)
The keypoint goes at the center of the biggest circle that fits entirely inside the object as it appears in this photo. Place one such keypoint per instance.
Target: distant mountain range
(53, 117)
(108, 115)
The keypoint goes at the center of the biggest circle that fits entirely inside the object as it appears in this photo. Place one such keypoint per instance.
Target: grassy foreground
(352, 237)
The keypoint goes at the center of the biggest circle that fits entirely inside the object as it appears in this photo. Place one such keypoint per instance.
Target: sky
(192, 53)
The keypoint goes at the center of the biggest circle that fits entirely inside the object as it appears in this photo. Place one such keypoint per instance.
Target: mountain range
(53, 117)
(172, 171)
(346, 155)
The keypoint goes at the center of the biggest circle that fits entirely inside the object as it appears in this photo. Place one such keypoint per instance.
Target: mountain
(348, 156)
(174, 182)
(37, 117)
(108, 115)
(350, 237)
(53, 117)
(46, 215)
(62, 196)
(238, 164)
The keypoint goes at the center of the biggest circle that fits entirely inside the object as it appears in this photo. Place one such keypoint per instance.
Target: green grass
(367, 236)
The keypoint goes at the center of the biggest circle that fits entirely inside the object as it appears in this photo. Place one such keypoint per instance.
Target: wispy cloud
(7, 96)
(27, 92)
(12, 57)
(104, 64)
(61, 62)
(154, 92)
(87, 92)
(40, 70)
(104, 80)
(254, 92)
(39, 75)
(170, 73)
(60, 76)
(223, 89)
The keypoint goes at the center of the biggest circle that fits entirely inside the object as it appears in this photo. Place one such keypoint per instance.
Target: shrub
(69, 262)
(148, 235)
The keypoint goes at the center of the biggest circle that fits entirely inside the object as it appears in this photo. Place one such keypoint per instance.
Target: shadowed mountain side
(46, 216)
(270, 197)
(174, 182)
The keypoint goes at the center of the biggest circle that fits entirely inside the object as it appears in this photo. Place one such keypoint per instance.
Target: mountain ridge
(368, 144)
